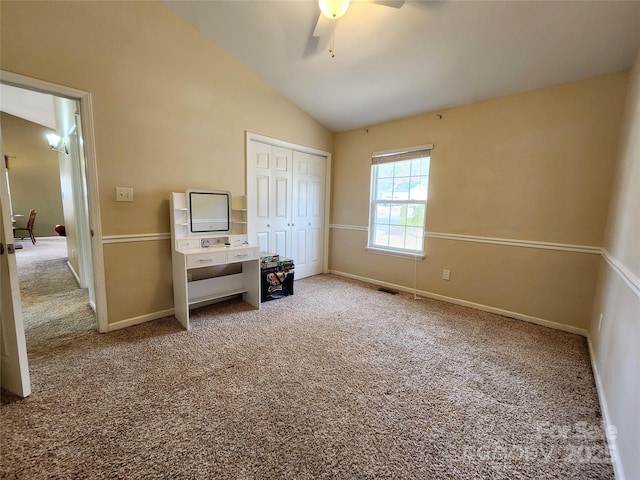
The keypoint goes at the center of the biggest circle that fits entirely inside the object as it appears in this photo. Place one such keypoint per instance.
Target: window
(399, 189)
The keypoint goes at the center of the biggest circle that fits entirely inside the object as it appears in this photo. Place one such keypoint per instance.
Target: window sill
(395, 253)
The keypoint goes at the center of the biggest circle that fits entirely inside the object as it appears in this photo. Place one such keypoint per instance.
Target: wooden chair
(29, 227)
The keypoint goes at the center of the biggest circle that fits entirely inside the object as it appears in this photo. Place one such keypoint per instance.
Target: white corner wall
(615, 324)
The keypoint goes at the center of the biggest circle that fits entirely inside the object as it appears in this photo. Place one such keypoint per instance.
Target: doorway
(54, 269)
(78, 182)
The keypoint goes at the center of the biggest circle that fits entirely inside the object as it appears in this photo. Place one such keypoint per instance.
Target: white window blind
(396, 156)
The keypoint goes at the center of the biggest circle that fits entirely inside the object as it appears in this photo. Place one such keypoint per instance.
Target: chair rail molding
(136, 237)
(511, 242)
(632, 280)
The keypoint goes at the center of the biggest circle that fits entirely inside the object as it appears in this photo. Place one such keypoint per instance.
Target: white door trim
(86, 114)
(251, 137)
(281, 143)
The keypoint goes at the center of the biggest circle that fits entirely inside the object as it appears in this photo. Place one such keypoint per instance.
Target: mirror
(209, 211)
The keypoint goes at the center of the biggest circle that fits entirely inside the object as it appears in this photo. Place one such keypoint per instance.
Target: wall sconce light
(56, 143)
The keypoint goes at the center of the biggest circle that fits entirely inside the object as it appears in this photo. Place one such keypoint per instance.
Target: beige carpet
(340, 381)
(54, 307)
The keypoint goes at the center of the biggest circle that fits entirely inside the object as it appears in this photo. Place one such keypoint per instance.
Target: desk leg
(251, 280)
(180, 292)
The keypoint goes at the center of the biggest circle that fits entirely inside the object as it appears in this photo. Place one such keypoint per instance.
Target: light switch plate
(124, 194)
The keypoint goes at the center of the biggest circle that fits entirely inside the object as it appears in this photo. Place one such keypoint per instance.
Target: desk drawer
(243, 255)
(206, 259)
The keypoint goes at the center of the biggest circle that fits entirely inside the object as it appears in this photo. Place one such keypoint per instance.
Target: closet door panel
(280, 213)
(280, 242)
(263, 241)
(315, 244)
(281, 198)
(300, 247)
(262, 195)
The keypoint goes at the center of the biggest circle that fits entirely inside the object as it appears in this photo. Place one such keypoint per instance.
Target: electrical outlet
(124, 194)
(599, 323)
(446, 274)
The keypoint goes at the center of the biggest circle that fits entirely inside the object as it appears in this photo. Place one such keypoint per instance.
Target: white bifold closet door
(285, 204)
(307, 219)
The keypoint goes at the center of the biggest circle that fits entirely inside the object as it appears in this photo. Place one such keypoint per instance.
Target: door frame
(95, 233)
(250, 136)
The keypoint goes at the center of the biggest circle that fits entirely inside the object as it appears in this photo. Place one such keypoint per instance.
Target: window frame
(394, 156)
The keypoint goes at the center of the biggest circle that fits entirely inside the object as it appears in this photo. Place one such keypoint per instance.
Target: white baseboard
(618, 470)
(129, 322)
(75, 275)
(465, 303)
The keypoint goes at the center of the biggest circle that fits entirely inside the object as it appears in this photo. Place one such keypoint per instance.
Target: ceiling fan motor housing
(333, 8)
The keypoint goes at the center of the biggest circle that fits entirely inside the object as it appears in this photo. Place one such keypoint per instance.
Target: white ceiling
(391, 63)
(33, 106)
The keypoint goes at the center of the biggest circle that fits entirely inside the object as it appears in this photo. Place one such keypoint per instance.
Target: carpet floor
(54, 307)
(339, 381)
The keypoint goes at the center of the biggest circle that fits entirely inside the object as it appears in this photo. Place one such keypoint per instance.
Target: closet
(286, 202)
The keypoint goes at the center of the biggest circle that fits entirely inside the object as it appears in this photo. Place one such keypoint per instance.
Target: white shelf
(228, 293)
(239, 215)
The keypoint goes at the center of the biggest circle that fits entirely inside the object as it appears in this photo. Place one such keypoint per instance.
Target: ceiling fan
(331, 10)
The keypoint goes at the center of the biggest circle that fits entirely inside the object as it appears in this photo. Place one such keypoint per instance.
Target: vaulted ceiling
(395, 62)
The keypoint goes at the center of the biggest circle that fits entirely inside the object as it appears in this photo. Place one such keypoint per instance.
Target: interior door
(14, 366)
(269, 203)
(308, 213)
(259, 194)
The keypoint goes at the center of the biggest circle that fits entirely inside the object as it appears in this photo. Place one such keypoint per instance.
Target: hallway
(54, 308)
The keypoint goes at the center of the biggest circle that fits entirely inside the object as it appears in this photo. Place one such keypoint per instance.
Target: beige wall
(170, 112)
(532, 167)
(616, 339)
(34, 174)
(64, 109)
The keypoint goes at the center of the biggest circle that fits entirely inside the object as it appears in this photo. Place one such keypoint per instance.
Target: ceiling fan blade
(390, 3)
(323, 27)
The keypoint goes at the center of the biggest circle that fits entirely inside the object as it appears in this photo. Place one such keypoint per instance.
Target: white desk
(204, 275)
(190, 291)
